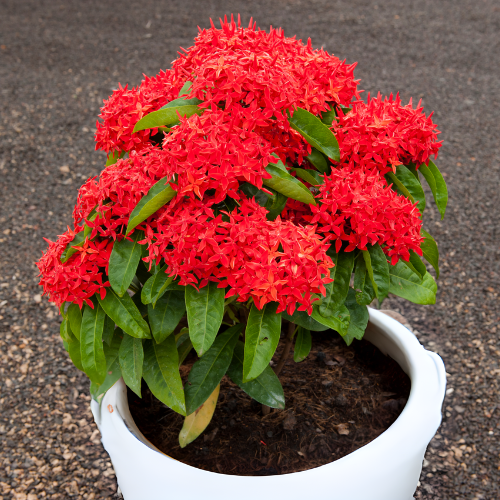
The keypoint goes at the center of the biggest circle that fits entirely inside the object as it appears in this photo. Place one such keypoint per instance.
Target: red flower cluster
(265, 260)
(117, 191)
(78, 279)
(126, 107)
(383, 134)
(248, 80)
(359, 208)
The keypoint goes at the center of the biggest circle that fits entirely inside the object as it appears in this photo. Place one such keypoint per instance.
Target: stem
(286, 349)
(283, 358)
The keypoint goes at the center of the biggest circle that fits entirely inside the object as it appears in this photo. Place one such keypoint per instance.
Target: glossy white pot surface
(388, 468)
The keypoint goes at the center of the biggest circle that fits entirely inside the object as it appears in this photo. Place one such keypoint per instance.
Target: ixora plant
(247, 188)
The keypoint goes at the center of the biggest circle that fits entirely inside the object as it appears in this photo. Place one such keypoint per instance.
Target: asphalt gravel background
(59, 59)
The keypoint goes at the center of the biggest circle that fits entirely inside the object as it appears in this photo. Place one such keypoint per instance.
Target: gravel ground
(59, 59)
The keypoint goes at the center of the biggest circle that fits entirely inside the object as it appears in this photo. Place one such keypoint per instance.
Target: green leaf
(437, 184)
(303, 345)
(123, 262)
(75, 319)
(274, 204)
(412, 184)
(156, 286)
(64, 330)
(161, 373)
(113, 371)
(378, 270)
(284, 183)
(165, 316)
(131, 357)
(262, 336)
(336, 292)
(309, 176)
(125, 314)
(338, 321)
(159, 194)
(184, 348)
(168, 116)
(318, 160)
(205, 310)
(71, 248)
(266, 388)
(208, 371)
(74, 350)
(359, 318)
(196, 422)
(430, 251)
(405, 283)
(415, 264)
(114, 156)
(327, 117)
(316, 133)
(303, 319)
(109, 330)
(362, 283)
(185, 88)
(93, 360)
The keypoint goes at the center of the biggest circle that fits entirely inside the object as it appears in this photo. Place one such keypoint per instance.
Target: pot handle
(441, 373)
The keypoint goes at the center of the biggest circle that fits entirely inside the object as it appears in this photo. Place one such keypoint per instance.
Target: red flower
(383, 134)
(78, 279)
(359, 208)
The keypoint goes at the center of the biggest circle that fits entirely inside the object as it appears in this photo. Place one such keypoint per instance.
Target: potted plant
(247, 190)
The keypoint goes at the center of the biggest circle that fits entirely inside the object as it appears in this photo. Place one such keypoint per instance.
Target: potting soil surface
(337, 400)
(60, 58)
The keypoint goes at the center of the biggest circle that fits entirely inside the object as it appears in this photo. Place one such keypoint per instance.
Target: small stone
(37, 298)
(391, 405)
(342, 429)
(270, 434)
(459, 409)
(64, 169)
(340, 400)
(289, 422)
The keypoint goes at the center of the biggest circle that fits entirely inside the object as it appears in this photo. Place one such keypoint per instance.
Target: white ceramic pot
(388, 468)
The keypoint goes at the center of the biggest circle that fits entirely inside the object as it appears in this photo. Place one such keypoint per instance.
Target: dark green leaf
(303, 319)
(161, 373)
(109, 330)
(72, 246)
(362, 283)
(208, 371)
(113, 373)
(159, 194)
(168, 116)
(274, 203)
(291, 187)
(378, 270)
(327, 117)
(415, 264)
(430, 251)
(303, 345)
(74, 350)
(338, 321)
(184, 348)
(64, 330)
(412, 184)
(131, 357)
(262, 336)
(316, 133)
(165, 316)
(93, 360)
(310, 176)
(405, 283)
(437, 184)
(359, 318)
(156, 286)
(125, 314)
(205, 310)
(336, 292)
(75, 319)
(318, 160)
(123, 262)
(266, 388)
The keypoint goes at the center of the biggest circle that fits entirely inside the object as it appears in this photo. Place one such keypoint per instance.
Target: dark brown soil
(337, 400)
